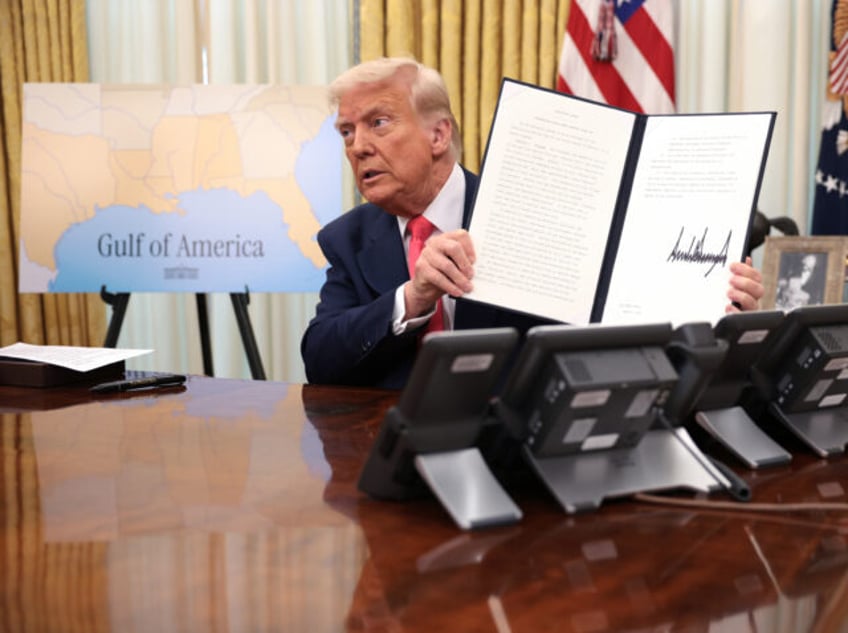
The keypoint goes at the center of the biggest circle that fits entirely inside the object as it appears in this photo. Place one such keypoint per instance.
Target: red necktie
(420, 229)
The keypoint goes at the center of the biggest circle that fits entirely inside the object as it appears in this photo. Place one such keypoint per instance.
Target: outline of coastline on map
(197, 188)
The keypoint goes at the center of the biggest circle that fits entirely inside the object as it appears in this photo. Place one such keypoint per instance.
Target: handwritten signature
(697, 253)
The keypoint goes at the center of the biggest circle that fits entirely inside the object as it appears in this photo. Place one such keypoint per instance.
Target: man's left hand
(746, 287)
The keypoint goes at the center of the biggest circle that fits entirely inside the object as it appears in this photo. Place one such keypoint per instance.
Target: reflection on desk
(232, 506)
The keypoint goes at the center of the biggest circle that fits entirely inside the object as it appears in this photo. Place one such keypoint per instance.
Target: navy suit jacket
(350, 339)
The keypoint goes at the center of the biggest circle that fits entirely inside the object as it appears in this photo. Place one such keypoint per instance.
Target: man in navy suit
(403, 144)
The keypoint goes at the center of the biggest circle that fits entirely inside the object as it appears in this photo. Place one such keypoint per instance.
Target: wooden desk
(232, 506)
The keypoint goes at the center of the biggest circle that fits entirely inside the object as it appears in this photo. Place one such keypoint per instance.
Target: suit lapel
(471, 182)
(382, 259)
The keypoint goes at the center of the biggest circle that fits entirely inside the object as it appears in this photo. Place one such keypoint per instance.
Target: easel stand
(736, 431)
(662, 460)
(825, 430)
(118, 301)
(240, 301)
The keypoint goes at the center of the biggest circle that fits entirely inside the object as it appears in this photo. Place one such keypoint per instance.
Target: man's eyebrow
(380, 107)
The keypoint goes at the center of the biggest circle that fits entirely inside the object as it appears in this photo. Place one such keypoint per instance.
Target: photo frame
(804, 270)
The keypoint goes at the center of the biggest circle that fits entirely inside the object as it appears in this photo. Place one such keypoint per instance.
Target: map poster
(197, 188)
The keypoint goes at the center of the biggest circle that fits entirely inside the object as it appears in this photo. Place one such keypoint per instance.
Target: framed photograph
(801, 271)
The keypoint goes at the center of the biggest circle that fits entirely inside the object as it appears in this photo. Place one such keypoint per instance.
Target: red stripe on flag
(654, 46)
(839, 67)
(609, 82)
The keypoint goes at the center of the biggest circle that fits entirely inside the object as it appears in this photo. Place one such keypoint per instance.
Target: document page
(76, 358)
(687, 217)
(546, 199)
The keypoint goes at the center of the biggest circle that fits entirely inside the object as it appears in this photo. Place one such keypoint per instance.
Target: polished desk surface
(231, 505)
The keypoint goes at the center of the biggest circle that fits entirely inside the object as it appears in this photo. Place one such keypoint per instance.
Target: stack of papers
(76, 358)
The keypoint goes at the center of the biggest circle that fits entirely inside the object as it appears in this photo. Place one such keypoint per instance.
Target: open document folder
(589, 213)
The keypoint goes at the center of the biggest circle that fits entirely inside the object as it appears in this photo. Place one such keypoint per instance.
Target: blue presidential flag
(830, 206)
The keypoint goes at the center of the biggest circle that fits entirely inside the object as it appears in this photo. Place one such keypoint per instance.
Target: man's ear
(440, 136)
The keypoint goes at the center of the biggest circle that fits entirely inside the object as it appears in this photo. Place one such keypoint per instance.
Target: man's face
(391, 150)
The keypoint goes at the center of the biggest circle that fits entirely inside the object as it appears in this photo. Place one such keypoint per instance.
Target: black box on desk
(814, 373)
(26, 373)
(598, 399)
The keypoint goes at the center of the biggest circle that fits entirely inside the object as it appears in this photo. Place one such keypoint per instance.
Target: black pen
(162, 380)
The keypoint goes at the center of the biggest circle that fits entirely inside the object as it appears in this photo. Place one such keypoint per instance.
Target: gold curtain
(40, 41)
(473, 43)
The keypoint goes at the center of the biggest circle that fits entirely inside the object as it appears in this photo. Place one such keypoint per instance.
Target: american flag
(626, 61)
(830, 205)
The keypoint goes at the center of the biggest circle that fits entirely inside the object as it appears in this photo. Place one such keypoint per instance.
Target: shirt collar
(445, 211)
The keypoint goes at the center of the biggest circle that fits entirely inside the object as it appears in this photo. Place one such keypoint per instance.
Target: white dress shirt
(445, 212)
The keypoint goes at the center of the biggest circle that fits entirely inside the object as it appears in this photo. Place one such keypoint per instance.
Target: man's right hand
(445, 266)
